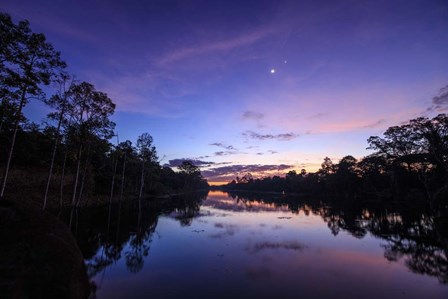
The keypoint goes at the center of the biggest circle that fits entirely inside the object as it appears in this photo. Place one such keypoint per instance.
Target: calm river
(224, 245)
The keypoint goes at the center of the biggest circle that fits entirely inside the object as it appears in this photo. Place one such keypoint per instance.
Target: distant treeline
(410, 159)
(69, 157)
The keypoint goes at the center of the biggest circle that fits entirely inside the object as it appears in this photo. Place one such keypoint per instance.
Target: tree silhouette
(420, 148)
(89, 110)
(77, 143)
(27, 61)
(191, 175)
(147, 154)
(59, 102)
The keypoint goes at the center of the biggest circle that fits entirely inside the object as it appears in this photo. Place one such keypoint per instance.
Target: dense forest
(73, 157)
(410, 160)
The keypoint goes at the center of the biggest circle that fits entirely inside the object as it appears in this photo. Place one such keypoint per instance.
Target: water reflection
(264, 238)
(291, 245)
(409, 230)
(106, 235)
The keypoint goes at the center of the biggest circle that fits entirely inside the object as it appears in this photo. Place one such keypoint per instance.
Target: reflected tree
(410, 231)
(135, 256)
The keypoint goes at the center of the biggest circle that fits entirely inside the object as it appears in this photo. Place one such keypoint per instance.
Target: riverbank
(40, 254)
(34, 200)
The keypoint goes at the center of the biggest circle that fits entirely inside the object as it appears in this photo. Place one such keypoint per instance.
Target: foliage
(73, 143)
(409, 159)
(191, 176)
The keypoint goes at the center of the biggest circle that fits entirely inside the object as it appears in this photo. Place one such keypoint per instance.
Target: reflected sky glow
(261, 252)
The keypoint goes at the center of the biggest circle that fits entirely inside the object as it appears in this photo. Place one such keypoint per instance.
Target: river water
(221, 245)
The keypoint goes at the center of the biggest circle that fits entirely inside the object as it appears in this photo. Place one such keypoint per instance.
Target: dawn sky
(249, 86)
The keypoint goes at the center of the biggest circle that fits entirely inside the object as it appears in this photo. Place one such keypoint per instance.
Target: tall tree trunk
(122, 177)
(61, 187)
(108, 217)
(78, 166)
(71, 218)
(142, 180)
(53, 155)
(118, 223)
(112, 193)
(11, 149)
(2, 120)
(81, 189)
(139, 219)
(113, 180)
(3, 116)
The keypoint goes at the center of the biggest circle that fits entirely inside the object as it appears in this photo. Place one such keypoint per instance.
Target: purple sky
(252, 86)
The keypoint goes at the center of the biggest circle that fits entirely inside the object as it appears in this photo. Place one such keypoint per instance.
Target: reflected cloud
(241, 205)
(407, 235)
(287, 245)
(219, 225)
(220, 235)
(258, 273)
(230, 230)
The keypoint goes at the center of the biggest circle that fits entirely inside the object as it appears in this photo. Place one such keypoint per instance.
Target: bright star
(272, 71)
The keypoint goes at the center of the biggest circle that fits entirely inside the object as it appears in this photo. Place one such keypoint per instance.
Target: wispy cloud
(442, 97)
(252, 115)
(198, 163)
(279, 137)
(227, 173)
(355, 124)
(203, 157)
(143, 92)
(228, 149)
(226, 153)
(216, 46)
(222, 145)
(440, 101)
(52, 22)
(318, 115)
(375, 124)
